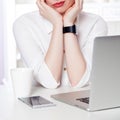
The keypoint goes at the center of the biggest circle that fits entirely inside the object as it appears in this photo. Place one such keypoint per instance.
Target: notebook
(104, 78)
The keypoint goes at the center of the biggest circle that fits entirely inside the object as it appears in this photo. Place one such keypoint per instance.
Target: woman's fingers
(43, 1)
(48, 12)
(79, 3)
(42, 5)
(39, 4)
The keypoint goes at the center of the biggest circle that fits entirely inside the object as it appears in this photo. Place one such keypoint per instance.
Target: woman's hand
(71, 14)
(48, 12)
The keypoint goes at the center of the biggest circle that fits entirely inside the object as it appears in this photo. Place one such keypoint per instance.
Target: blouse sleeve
(32, 54)
(99, 29)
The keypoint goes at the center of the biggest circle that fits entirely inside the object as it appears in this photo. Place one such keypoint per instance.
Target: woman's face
(60, 5)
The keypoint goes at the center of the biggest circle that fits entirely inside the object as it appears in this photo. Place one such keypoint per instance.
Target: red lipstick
(58, 4)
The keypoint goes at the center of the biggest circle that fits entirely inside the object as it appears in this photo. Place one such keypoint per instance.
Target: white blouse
(33, 34)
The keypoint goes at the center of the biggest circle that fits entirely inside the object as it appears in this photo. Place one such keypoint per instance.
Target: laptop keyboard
(85, 100)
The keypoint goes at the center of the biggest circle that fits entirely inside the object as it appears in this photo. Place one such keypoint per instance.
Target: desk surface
(11, 109)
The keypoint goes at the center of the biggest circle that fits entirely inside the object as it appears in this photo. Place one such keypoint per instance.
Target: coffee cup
(22, 79)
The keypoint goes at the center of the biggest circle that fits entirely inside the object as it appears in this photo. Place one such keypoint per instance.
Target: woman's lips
(59, 4)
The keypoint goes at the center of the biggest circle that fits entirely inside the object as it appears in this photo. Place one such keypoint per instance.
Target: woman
(57, 42)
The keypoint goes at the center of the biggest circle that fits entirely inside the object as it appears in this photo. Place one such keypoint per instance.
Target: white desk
(16, 110)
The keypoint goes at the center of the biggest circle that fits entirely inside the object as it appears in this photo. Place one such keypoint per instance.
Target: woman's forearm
(75, 62)
(54, 56)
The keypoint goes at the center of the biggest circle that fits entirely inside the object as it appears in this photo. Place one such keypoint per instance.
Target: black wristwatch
(69, 29)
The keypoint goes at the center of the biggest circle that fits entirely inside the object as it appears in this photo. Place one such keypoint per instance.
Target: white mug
(22, 79)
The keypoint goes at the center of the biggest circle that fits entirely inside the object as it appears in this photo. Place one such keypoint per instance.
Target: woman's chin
(60, 10)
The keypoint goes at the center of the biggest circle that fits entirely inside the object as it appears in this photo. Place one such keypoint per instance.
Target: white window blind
(2, 39)
(7, 46)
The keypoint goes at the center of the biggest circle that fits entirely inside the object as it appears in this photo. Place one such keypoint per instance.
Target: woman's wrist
(58, 22)
(58, 25)
(68, 24)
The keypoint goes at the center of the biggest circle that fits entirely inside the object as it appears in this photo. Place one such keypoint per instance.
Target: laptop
(104, 78)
